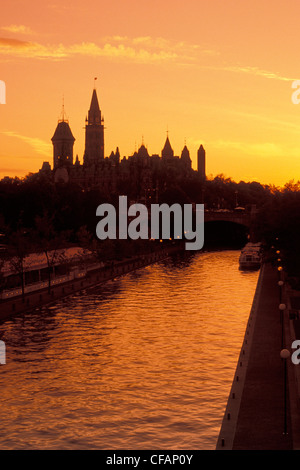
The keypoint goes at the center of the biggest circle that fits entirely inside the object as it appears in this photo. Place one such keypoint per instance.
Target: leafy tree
(49, 242)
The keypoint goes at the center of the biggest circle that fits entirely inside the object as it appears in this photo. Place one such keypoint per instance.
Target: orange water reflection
(145, 361)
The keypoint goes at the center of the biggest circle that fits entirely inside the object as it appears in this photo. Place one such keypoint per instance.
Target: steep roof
(185, 154)
(94, 102)
(143, 152)
(63, 132)
(94, 114)
(167, 151)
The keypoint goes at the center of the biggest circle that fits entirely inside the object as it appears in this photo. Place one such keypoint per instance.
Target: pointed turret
(63, 142)
(94, 134)
(185, 157)
(185, 154)
(167, 151)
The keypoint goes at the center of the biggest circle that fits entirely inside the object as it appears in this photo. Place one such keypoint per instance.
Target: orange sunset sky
(215, 72)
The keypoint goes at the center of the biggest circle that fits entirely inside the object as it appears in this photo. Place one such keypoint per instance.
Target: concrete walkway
(255, 413)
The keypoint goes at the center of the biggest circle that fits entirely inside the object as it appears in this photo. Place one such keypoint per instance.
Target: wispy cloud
(38, 145)
(267, 120)
(121, 51)
(263, 149)
(241, 69)
(182, 50)
(143, 49)
(25, 49)
(17, 48)
(20, 29)
(258, 72)
(10, 43)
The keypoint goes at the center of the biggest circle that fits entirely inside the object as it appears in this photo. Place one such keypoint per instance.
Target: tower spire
(94, 132)
(63, 116)
(94, 111)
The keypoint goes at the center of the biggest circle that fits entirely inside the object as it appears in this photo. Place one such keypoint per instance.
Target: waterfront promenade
(38, 298)
(256, 417)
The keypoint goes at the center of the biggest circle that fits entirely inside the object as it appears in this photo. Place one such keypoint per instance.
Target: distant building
(110, 174)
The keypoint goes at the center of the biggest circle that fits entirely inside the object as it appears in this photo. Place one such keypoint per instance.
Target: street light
(285, 354)
(282, 307)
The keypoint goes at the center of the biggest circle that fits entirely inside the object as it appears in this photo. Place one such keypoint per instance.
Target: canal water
(145, 361)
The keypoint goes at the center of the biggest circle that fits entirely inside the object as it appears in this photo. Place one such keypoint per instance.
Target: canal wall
(42, 297)
(229, 423)
(262, 411)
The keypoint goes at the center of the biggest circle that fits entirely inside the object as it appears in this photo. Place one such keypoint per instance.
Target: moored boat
(250, 257)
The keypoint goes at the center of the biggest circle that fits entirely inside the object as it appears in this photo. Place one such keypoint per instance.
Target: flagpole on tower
(95, 83)
(63, 108)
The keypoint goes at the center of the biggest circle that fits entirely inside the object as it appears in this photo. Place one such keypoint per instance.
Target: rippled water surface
(142, 362)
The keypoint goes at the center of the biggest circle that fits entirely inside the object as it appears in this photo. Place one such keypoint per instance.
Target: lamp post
(282, 307)
(285, 354)
(280, 284)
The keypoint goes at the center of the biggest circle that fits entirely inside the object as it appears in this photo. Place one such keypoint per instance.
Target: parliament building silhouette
(111, 174)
